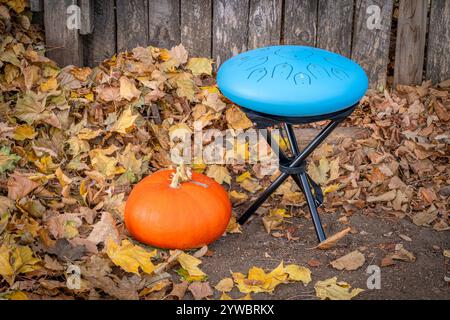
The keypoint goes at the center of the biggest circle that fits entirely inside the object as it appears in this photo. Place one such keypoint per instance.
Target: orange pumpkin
(177, 210)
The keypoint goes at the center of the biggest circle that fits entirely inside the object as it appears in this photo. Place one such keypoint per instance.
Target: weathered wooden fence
(359, 29)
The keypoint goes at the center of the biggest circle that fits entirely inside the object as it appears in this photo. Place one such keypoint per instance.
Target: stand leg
(312, 207)
(263, 197)
(295, 150)
(296, 162)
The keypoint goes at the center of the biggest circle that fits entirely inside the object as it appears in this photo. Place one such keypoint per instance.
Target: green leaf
(8, 160)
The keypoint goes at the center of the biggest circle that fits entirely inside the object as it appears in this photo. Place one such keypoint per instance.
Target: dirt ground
(422, 279)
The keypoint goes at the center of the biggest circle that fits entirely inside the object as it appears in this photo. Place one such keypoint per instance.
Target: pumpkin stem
(183, 174)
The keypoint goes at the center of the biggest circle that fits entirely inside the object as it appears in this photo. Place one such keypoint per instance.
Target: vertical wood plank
(101, 43)
(410, 46)
(335, 26)
(230, 22)
(300, 22)
(132, 24)
(196, 22)
(63, 45)
(164, 23)
(438, 55)
(371, 37)
(36, 5)
(87, 16)
(264, 23)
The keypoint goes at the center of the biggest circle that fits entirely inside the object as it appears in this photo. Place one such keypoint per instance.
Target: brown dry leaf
(97, 272)
(179, 54)
(351, 261)
(274, 219)
(19, 186)
(81, 74)
(179, 290)
(402, 254)
(219, 173)
(251, 185)
(428, 194)
(104, 229)
(333, 290)
(128, 89)
(108, 93)
(225, 285)
(425, 218)
(64, 225)
(237, 196)
(319, 173)
(388, 196)
(331, 241)
(125, 122)
(214, 101)
(314, 263)
(31, 107)
(237, 119)
(233, 226)
(200, 290)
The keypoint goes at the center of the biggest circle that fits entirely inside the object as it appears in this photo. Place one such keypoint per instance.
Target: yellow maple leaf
(260, 281)
(200, 66)
(298, 273)
(45, 164)
(88, 134)
(17, 5)
(186, 88)
(331, 188)
(49, 85)
(130, 257)
(24, 132)
(16, 295)
(243, 176)
(333, 290)
(190, 264)
(104, 164)
(6, 269)
(125, 122)
(210, 89)
(237, 196)
(233, 226)
(16, 260)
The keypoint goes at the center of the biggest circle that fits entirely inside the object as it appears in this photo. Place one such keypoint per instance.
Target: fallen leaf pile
(73, 142)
